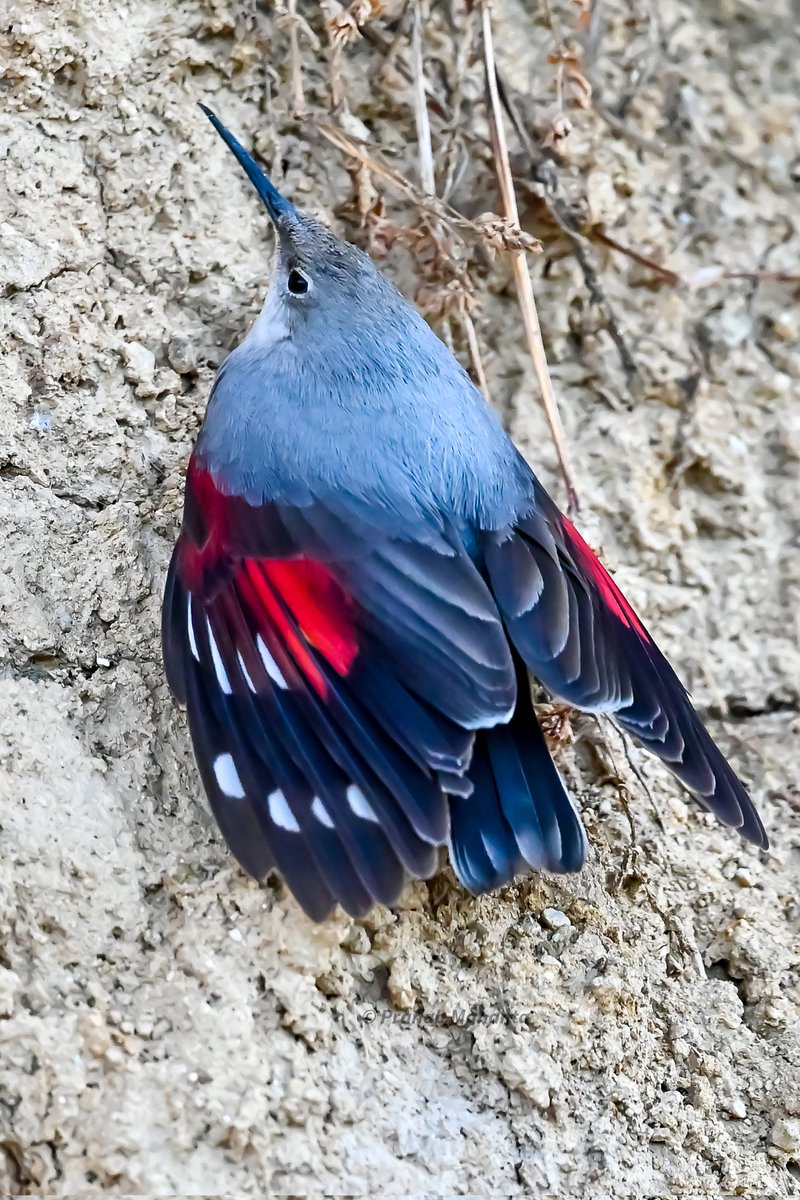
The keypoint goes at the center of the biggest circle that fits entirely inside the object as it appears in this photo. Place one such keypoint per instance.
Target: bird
(367, 578)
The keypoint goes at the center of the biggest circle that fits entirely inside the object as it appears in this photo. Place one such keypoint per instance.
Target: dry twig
(475, 352)
(548, 193)
(598, 234)
(428, 182)
(291, 19)
(522, 278)
(335, 44)
(426, 173)
(389, 50)
(491, 231)
(763, 276)
(347, 25)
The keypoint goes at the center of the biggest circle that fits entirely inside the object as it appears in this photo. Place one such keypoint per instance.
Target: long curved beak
(276, 205)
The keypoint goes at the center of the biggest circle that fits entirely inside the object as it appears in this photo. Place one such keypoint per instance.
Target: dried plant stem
(475, 354)
(496, 233)
(427, 177)
(644, 260)
(335, 84)
(298, 95)
(764, 276)
(522, 278)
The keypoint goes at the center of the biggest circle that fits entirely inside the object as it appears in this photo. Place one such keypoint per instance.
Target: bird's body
(366, 572)
(411, 433)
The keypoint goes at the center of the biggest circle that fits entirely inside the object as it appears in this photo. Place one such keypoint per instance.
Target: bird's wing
(330, 673)
(582, 639)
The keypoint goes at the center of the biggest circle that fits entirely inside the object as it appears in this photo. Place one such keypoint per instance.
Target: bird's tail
(520, 813)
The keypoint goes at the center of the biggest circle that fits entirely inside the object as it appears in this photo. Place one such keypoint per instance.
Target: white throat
(271, 325)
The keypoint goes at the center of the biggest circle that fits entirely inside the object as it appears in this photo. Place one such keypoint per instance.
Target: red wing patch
(606, 586)
(300, 597)
(206, 524)
(320, 606)
(297, 600)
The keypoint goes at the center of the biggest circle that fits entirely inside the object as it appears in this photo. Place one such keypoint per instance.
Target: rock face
(167, 1025)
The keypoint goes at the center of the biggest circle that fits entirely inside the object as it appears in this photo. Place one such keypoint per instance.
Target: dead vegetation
(427, 59)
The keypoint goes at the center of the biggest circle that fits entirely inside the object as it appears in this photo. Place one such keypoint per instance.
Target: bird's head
(318, 278)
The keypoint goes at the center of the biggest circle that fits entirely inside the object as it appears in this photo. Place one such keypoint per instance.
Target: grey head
(341, 387)
(316, 275)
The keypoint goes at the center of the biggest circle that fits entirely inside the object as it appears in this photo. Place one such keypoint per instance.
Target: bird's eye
(297, 283)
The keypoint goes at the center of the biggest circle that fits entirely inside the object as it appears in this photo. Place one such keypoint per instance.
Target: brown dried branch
(598, 234)
(427, 177)
(391, 54)
(602, 303)
(348, 25)
(335, 83)
(299, 99)
(762, 276)
(701, 278)
(522, 278)
(568, 68)
(493, 232)
(543, 173)
(460, 288)
(290, 19)
(475, 353)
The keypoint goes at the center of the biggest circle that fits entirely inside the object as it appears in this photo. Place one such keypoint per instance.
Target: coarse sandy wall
(167, 1026)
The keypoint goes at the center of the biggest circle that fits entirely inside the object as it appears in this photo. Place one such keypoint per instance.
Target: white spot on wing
(228, 777)
(272, 668)
(245, 673)
(321, 813)
(280, 812)
(190, 624)
(219, 666)
(360, 804)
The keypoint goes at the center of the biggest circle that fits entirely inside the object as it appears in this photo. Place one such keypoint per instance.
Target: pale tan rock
(455, 1046)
